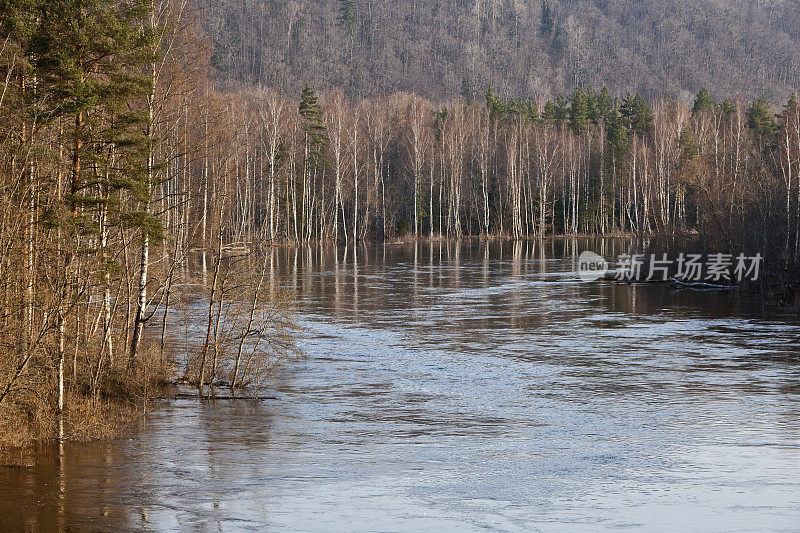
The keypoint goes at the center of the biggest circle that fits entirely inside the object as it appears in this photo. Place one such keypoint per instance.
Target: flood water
(465, 387)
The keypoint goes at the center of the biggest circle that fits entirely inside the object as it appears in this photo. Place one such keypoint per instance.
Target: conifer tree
(531, 112)
(690, 149)
(637, 113)
(579, 112)
(703, 102)
(618, 137)
(558, 111)
(605, 104)
(593, 106)
(761, 120)
(91, 56)
(347, 14)
(727, 109)
(313, 125)
(315, 145)
(466, 90)
(494, 103)
(547, 22)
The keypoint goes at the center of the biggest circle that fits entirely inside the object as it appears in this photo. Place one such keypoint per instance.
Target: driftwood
(198, 396)
(699, 286)
(181, 390)
(613, 275)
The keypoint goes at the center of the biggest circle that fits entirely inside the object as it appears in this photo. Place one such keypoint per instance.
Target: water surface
(465, 387)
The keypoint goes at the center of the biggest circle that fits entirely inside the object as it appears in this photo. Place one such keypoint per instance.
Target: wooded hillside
(527, 48)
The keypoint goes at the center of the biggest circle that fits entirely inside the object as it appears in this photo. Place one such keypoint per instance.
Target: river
(461, 387)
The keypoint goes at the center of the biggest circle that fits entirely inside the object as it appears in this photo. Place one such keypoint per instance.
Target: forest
(125, 148)
(529, 48)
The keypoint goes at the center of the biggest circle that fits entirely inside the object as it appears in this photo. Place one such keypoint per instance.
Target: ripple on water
(466, 387)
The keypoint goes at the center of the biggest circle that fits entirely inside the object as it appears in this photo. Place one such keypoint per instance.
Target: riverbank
(436, 237)
(92, 411)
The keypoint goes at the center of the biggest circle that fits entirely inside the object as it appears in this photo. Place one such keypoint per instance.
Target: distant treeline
(336, 170)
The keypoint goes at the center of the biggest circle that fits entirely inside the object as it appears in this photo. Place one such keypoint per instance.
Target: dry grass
(28, 418)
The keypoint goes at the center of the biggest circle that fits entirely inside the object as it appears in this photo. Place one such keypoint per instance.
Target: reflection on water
(463, 387)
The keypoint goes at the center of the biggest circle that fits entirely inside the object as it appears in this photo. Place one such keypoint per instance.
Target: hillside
(443, 48)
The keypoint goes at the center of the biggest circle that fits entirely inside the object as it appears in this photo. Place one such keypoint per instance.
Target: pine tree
(557, 112)
(439, 119)
(703, 102)
(618, 137)
(690, 149)
(494, 103)
(91, 56)
(578, 112)
(314, 148)
(466, 90)
(792, 106)
(637, 113)
(82, 64)
(726, 109)
(593, 106)
(313, 125)
(347, 14)
(761, 121)
(531, 113)
(316, 139)
(605, 104)
(547, 23)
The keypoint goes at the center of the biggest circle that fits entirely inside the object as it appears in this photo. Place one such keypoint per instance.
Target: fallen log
(699, 286)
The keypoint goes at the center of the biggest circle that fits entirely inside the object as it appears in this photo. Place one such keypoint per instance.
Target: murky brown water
(465, 387)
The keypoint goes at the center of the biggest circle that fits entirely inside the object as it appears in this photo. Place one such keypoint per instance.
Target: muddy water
(465, 387)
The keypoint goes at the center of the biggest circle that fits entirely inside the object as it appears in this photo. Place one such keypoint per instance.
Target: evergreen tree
(605, 104)
(496, 106)
(466, 90)
(313, 126)
(593, 106)
(637, 113)
(531, 113)
(578, 112)
(726, 109)
(618, 137)
(439, 118)
(547, 22)
(690, 149)
(703, 102)
(558, 111)
(791, 109)
(91, 56)
(347, 15)
(761, 121)
(525, 111)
